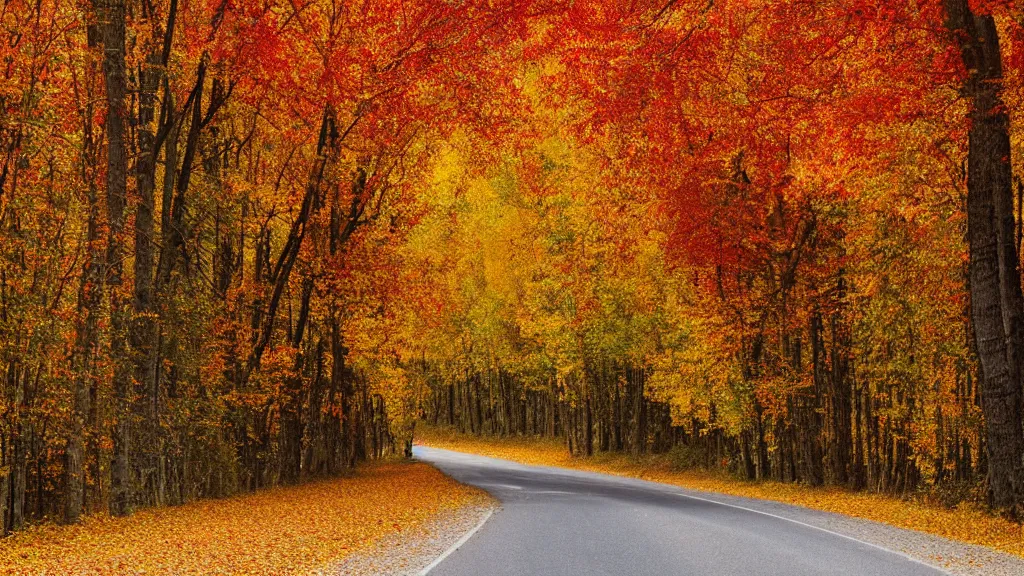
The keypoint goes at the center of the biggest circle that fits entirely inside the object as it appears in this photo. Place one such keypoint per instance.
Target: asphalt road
(556, 522)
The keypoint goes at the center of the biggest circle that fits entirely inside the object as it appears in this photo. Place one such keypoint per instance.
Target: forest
(251, 243)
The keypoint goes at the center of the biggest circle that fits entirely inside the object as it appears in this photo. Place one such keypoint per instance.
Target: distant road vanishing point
(556, 522)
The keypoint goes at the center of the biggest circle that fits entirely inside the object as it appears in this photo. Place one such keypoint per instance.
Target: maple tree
(251, 243)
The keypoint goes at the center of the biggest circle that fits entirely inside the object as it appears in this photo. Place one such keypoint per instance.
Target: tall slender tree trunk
(841, 447)
(291, 408)
(90, 294)
(17, 483)
(144, 327)
(997, 304)
(5, 482)
(86, 340)
(111, 18)
(588, 424)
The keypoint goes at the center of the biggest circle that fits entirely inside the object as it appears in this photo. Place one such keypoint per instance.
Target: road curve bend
(557, 522)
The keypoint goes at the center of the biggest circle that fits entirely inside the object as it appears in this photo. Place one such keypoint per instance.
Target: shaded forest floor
(966, 523)
(292, 530)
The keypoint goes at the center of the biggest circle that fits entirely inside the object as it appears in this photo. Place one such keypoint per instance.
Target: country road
(556, 522)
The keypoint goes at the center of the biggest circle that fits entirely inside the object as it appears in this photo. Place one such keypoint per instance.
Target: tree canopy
(245, 243)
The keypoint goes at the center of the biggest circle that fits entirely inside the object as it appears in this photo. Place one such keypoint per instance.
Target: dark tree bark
(291, 409)
(996, 301)
(588, 424)
(763, 463)
(841, 447)
(5, 482)
(144, 328)
(176, 187)
(86, 341)
(809, 426)
(111, 18)
(18, 459)
(282, 269)
(90, 294)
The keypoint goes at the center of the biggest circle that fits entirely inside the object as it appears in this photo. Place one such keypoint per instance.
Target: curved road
(556, 522)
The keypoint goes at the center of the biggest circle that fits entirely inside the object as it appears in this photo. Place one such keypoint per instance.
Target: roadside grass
(965, 523)
(293, 530)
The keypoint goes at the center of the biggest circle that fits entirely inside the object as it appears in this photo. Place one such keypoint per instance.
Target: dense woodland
(246, 243)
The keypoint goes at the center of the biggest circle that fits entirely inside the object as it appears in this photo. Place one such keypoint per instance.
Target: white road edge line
(826, 530)
(708, 500)
(454, 547)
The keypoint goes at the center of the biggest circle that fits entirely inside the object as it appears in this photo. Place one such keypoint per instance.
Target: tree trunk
(291, 408)
(5, 482)
(143, 328)
(841, 447)
(996, 300)
(111, 19)
(90, 294)
(86, 340)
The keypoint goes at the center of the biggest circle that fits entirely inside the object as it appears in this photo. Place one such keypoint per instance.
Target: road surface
(556, 522)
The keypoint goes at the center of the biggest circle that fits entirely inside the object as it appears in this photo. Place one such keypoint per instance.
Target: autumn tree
(195, 199)
(245, 244)
(996, 302)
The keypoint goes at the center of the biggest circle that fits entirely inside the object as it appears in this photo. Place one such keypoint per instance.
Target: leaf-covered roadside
(293, 530)
(966, 523)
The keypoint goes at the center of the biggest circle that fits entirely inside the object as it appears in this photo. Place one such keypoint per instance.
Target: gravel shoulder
(408, 552)
(953, 557)
(957, 558)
